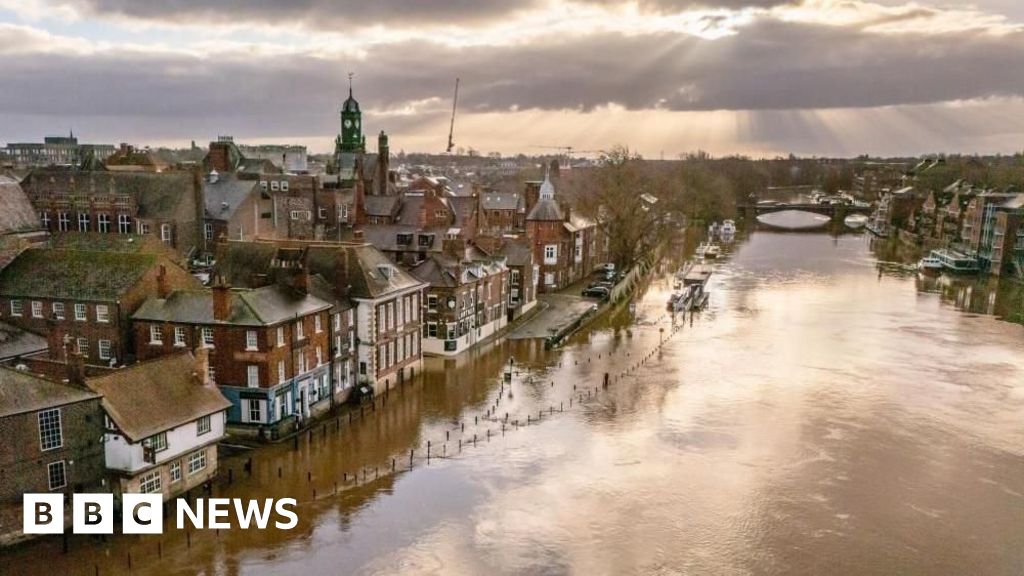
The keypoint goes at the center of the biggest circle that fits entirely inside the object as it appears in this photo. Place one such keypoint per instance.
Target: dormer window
(403, 239)
(386, 271)
(426, 240)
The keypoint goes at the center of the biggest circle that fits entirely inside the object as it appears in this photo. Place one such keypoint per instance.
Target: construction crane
(567, 151)
(451, 128)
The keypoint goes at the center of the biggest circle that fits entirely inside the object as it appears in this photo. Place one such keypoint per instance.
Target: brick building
(52, 442)
(384, 299)
(270, 348)
(167, 205)
(82, 300)
(566, 246)
(466, 298)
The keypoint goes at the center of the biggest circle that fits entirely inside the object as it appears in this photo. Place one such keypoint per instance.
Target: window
(158, 442)
(175, 471)
(83, 221)
(179, 336)
(319, 356)
(299, 331)
(37, 309)
(431, 329)
(317, 324)
(150, 483)
(83, 347)
(282, 375)
(156, 334)
(208, 231)
(431, 302)
(336, 321)
(301, 361)
(208, 337)
(284, 186)
(58, 310)
(102, 313)
(275, 186)
(104, 349)
(56, 475)
(211, 373)
(44, 219)
(343, 212)
(165, 233)
(280, 336)
(551, 254)
(143, 228)
(50, 434)
(63, 222)
(255, 410)
(549, 278)
(252, 375)
(124, 224)
(300, 215)
(103, 223)
(17, 308)
(251, 340)
(80, 312)
(202, 425)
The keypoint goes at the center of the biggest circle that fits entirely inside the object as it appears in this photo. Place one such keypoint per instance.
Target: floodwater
(824, 415)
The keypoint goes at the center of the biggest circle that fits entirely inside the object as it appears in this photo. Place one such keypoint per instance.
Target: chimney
(341, 275)
(163, 289)
(201, 373)
(454, 248)
(301, 279)
(221, 299)
(76, 367)
(219, 155)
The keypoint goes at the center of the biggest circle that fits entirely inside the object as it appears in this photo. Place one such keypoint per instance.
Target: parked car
(597, 292)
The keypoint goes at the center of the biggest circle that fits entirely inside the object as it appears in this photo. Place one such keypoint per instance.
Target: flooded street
(822, 415)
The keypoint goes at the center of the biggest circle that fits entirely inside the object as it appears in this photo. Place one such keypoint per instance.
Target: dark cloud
(768, 65)
(337, 15)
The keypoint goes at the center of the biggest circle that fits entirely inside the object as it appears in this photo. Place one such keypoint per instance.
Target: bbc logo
(92, 514)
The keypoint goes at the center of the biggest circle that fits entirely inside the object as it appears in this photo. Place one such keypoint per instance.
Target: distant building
(19, 223)
(288, 158)
(56, 151)
(52, 443)
(166, 205)
(163, 421)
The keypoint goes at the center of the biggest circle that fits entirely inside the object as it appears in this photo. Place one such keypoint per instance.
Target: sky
(663, 77)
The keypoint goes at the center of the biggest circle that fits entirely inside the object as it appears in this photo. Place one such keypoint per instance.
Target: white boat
(955, 261)
(698, 275)
(929, 264)
(728, 227)
(712, 251)
(701, 250)
(856, 220)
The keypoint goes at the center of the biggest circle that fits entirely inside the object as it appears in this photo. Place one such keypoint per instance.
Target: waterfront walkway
(557, 312)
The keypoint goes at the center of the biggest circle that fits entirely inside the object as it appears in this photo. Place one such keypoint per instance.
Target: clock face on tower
(348, 123)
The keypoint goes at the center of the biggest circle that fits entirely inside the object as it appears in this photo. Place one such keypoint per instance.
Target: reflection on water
(819, 417)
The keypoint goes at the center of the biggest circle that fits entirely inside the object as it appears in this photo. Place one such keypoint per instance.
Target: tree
(623, 196)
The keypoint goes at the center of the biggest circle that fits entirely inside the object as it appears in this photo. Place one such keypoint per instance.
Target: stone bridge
(837, 212)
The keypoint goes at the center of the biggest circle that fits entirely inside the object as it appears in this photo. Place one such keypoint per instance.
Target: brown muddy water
(825, 415)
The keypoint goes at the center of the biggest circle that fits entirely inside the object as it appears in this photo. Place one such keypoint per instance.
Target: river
(825, 414)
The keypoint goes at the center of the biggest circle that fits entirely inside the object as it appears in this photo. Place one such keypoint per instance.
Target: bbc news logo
(144, 513)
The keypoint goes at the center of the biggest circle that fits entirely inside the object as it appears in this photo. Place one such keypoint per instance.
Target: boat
(701, 250)
(698, 297)
(698, 274)
(728, 227)
(712, 229)
(955, 261)
(712, 251)
(679, 300)
(929, 264)
(856, 221)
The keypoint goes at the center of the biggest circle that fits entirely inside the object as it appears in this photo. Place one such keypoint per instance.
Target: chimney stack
(301, 280)
(221, 299)
(201, 375)
(163, 289)
(454, 248)
(341, 275)
(76, 367)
